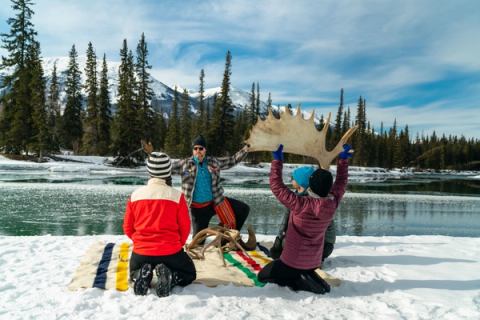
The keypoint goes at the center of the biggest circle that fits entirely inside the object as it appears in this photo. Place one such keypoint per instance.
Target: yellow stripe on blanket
(260, 257)
(122, 267)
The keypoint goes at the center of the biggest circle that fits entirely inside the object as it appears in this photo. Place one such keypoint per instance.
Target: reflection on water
(76, 209)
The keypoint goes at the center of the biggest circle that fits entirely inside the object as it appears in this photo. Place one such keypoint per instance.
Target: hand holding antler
(347, 152)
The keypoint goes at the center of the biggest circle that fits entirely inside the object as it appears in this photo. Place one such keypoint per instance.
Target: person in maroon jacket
(309, 218)
(157, 221)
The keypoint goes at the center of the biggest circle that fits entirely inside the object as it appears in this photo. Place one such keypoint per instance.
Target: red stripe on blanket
(250, 261)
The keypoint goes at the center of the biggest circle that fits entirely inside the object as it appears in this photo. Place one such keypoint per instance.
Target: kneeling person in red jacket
(309, 218)
(157, 221)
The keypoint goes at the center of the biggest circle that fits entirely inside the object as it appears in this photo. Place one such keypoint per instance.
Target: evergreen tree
(185, 125)
(104, 112)
(269, 101)
(172, 139)
(145, 92)
(127, 133)
(241, 126)
(160, 131)
(405, 148)
(359, 136)
(252, 108)
(346, 121)
(16, 123)
(53, 107)
(222, 125)
(337, 132)
(91, 139)
(72, 120)
(394, 149)
(200, 123)
(257, 101)
(42, 137)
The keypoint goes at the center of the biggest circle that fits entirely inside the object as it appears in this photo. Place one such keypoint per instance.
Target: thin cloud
(301, 51)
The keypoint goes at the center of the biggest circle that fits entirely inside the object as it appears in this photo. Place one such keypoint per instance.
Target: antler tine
(270, 114)
(200, 236)
(348, 134)
(339, 147)
(326, 124)
(312, 117)
(286, 112)
(298, 112)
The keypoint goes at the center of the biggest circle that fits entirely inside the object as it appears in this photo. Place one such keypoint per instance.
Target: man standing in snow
(157, 221)
(309, 218)
(201, 185)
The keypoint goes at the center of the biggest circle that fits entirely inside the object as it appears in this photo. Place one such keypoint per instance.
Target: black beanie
(321, 182)
(199, 141)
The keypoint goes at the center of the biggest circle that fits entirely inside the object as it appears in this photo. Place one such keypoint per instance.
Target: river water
(32, 203)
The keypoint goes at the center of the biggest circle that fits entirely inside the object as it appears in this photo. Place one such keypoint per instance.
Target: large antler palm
(298, 136)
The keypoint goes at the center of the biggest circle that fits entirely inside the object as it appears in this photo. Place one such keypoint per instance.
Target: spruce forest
(32, 124)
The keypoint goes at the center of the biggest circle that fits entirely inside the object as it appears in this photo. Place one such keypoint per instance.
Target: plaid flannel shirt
(187, 168)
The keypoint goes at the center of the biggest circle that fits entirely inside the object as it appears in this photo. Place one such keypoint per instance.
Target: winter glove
(278, 155)
(347, 152)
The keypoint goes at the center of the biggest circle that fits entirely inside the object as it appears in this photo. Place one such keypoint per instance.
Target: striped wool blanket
(105, 266)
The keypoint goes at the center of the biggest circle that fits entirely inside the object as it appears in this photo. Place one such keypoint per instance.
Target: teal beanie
(302, 175)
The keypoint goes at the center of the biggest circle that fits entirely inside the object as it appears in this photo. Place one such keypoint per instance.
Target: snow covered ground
(412, 277)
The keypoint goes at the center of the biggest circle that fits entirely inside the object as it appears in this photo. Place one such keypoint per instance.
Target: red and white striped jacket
(157, 219)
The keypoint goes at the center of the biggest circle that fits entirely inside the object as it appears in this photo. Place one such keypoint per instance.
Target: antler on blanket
(225, 240)
(298, 136)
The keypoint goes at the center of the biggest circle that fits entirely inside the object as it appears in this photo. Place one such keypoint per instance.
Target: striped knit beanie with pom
(159, 165)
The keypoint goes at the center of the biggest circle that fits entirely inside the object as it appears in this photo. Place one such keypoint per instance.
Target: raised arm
(228, 162)
(288, 198)
(177, 165)
(340, 185)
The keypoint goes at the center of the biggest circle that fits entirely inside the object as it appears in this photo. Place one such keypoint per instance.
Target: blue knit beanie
(302, 175)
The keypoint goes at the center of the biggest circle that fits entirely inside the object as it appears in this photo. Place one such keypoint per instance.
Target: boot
(320, 280)
(277, 248)
(165, 280)
(142, 280)
(307, 282)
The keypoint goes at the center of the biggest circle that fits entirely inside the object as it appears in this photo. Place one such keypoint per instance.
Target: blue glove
(278, 155)
(345, 154)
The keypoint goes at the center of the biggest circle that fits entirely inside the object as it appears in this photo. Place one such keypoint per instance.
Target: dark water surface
(421, 205)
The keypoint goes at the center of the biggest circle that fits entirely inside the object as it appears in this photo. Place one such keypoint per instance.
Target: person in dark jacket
(309, 218)
(300, 181)
(201, 185)
(157, 221)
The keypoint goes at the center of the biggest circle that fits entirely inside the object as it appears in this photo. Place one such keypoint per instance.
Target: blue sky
(416, 61)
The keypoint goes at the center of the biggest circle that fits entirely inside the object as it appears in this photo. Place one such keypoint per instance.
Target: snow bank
(414, 277)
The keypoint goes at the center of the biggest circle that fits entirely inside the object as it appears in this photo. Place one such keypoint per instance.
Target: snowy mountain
(163, 94)
(240, 98)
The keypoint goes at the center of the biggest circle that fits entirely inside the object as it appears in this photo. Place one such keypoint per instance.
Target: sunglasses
(198, 148)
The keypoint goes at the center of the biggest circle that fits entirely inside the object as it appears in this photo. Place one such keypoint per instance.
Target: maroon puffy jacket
(309, 217)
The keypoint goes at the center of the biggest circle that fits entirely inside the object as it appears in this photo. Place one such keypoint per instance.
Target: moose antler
(298, 136)
(225, 240)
